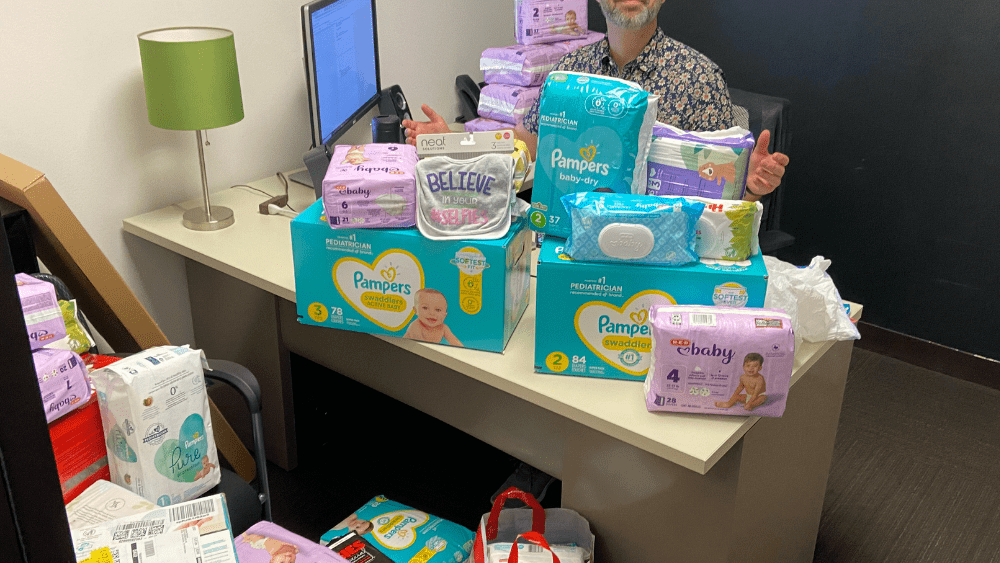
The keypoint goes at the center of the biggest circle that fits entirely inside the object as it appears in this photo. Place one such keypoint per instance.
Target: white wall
(72, 105)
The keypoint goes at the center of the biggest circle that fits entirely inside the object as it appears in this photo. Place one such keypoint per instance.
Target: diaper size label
(620, 336)
(471, 263)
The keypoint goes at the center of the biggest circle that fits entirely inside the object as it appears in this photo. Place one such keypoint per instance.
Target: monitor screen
(342, 75)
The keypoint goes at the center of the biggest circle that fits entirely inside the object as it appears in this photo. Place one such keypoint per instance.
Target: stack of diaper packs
(719, 360)
(157, 425)
(371, 186)
(62, 376)
(708, 164)
(546, 30)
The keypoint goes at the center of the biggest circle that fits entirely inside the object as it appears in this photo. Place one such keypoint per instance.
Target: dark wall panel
(894, 166)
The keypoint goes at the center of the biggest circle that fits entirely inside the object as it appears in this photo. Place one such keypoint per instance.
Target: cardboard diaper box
(591, 317)
(468, 293)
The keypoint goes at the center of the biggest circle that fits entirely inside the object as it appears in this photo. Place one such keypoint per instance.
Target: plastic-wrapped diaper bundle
(593, 135)
(62, 380)
(158, 429)
(371, 186)
(632, 228)
(709, 164)
(484, 124)
(728, 229)
(42, 315)
(507, 103)
(547, 21)
(528, 65)
(719, 360)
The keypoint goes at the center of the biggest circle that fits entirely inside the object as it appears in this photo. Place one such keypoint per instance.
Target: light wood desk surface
(257, 250)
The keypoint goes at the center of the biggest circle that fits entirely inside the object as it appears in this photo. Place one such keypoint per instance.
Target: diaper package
(465, 198)
(499, 552)
(709, 164)
(506, 103)
(582, 41)
(719, 360)
(593, 135)
(371, 186)
(384, 531)
(62, 380)
(728, 229)
(266, 542)
(482, 124)
(42, 315)
(546, 21)
(632, 228)
(157, 425)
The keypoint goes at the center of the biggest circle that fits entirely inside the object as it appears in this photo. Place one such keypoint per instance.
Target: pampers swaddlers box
(591, 317)
(593, 135)
(467, 293)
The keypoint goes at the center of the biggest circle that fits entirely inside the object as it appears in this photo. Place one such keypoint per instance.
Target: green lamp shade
(191, 78)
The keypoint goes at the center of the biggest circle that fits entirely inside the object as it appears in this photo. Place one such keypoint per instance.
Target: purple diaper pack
(42, 314)
(371, 186)
(265, 542)
(718, 360)
(528, 65)
(547, 21)
(507, 103)
(62, 380)
(482, 124)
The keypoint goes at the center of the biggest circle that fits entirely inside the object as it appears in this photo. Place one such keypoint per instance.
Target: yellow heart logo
(381, 291)
(388, 274)
(628, 353)
(588, 153)
(639, 317)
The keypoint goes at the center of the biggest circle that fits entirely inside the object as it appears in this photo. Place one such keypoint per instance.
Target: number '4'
(673, 376)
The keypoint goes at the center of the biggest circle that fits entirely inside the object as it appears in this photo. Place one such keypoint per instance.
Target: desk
(655, 486)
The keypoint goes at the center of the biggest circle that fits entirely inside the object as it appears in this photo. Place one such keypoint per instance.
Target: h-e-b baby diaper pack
(468, 293)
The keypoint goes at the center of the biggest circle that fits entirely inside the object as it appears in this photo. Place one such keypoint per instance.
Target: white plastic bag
(809, 295)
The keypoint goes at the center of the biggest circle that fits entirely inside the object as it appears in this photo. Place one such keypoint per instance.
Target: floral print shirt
(692, 89)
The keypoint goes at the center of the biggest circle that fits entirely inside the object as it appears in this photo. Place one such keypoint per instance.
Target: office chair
(770, 113)
(468, 97)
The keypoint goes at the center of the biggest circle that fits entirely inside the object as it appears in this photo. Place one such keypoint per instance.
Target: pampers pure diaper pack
(709, 164)
(591, 317)
(385, 531)
(157, 425)
(371, 186)
(468, 293)
(593, 135)
(719, 360)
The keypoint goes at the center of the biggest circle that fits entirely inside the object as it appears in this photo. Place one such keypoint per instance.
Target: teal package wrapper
(384, 531)
(594, 134)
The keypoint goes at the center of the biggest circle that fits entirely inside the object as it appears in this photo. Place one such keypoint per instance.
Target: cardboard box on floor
(70, 253)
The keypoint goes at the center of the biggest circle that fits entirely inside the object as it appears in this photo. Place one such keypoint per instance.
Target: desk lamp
(192, 84)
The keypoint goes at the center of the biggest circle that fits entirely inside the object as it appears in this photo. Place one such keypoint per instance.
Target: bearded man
(692, 89)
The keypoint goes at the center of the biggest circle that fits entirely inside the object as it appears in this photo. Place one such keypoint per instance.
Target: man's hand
(435, 125)
(765, 170)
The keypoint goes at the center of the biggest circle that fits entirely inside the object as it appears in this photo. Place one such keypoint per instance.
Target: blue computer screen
(344, 47)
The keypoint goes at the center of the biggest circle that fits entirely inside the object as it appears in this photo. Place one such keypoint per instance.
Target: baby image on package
(384, 531)
(157, 425)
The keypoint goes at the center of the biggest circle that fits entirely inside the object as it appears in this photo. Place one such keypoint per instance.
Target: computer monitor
(342, 69)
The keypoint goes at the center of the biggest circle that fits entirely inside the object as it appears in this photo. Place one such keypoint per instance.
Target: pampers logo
(383, 290)
(585, 164)
(619, 335)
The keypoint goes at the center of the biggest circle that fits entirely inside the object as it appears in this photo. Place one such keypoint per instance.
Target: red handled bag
(556, 526)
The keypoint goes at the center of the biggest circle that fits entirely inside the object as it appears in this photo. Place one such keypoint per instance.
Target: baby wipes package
(157, 425)
(40, 306)
(710, 164)
(371, 186)
(468, 293)
(384, 531)
(728, 229)
(591, 318)
(593, 135)
(507, 103)
(719, 360)
(545, 21)
(632, 228)
(62, 380)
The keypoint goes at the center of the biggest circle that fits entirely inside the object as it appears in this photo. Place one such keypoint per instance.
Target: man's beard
(622, 20)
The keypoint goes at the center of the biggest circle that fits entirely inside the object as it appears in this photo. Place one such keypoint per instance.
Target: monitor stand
(302, 177)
